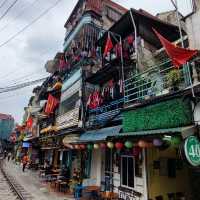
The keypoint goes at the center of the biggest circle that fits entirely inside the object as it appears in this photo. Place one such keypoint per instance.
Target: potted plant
(174, 79)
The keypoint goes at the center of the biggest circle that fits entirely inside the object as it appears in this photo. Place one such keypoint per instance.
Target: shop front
(50, 151)
(162, 130)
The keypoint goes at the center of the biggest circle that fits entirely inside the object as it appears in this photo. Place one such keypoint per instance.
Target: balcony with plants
(157, 81)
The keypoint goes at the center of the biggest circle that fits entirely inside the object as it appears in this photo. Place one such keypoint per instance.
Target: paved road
(5, 191)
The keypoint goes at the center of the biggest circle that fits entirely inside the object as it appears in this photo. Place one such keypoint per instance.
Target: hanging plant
(174, 79)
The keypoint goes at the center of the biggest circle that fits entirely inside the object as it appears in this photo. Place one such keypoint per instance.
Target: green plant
(173, 78)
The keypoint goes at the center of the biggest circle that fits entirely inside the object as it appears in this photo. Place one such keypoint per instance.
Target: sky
(23, 58)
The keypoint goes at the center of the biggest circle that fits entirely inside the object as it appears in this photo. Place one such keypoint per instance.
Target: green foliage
(168, 114)
(173, 77)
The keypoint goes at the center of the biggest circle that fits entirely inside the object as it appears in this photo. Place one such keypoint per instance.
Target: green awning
(156, 132)
(100, 135)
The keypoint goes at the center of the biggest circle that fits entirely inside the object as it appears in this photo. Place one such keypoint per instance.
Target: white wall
(193, 29)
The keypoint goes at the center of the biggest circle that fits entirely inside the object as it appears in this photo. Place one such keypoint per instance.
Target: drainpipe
(135, 41)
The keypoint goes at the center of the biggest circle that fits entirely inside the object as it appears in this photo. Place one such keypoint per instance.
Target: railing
(155, 82)
(104, 114)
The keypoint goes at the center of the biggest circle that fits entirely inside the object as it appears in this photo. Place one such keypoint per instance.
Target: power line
(8, 9)
(30, 24)
(19, 14)
(20, 86)
(28, 77)
(3, 3)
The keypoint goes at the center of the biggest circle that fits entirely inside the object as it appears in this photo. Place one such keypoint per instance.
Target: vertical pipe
(135, 41)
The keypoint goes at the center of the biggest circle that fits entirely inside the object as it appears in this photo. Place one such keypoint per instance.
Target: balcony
(159, 80)
(104, 115)
(87, 19)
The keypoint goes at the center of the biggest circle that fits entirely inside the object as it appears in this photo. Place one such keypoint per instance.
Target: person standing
(24, 162)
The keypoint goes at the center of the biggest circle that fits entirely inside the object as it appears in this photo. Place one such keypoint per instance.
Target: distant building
(193, 25)
(6, 125)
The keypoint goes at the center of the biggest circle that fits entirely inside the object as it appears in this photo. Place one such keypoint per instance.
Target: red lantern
(82, 146)
(103, 146)
(119, 145)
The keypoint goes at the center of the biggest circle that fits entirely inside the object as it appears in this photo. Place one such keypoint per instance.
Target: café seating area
(73, 187)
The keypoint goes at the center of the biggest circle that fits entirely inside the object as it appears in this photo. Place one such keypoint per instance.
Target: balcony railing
(104, 114)
(158, 80)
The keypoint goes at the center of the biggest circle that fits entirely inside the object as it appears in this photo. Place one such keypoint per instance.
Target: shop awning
(157, 131)
(100, 135)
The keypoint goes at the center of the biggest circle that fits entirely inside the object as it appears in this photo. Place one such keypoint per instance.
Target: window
(127, 171)
(69, 104)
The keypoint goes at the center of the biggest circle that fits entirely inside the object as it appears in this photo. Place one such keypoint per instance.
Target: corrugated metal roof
(100, 135)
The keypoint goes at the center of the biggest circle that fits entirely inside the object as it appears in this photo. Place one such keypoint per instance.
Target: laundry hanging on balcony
(29, 122)
(178, 55)
(52, 102)
(108, 46)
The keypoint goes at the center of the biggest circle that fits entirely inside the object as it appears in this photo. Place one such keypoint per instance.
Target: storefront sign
(128, 194)
(192, 150)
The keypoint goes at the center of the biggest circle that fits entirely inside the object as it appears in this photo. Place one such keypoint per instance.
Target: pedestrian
(9, 156)
(24, 162)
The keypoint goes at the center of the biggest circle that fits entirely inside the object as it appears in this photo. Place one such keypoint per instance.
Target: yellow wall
(162, 185)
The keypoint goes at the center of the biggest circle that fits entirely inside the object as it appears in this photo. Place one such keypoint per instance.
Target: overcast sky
(24, 57)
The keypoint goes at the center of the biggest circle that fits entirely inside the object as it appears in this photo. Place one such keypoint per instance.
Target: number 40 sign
(192, 150)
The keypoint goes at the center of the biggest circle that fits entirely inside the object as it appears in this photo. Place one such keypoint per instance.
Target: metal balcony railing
(104, 114)
(155, 82)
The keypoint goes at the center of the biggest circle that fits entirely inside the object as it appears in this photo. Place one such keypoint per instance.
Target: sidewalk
(29, 180)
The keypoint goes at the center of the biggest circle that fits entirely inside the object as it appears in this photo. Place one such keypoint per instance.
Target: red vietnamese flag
(109, 45)
(178, 55)
(29, 122)
(52, 102)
